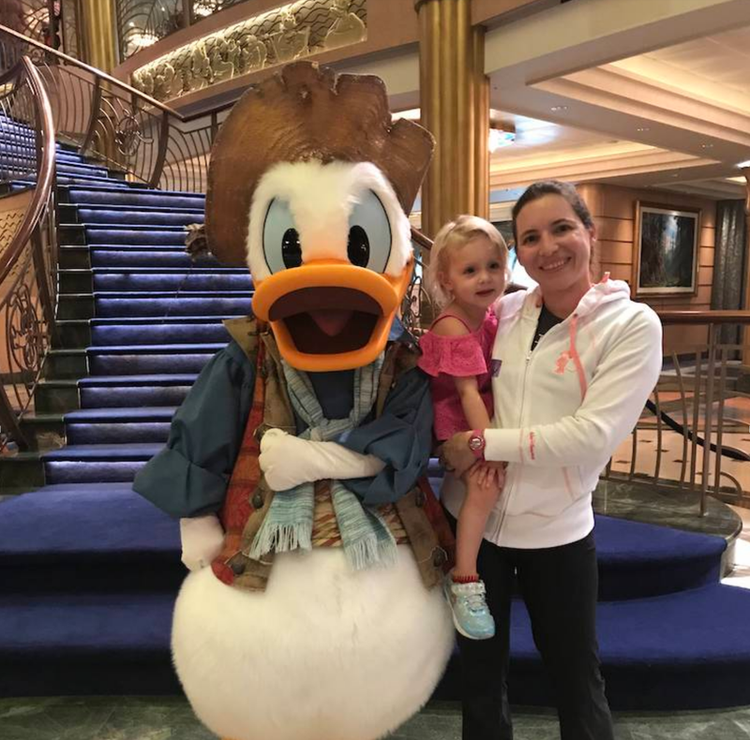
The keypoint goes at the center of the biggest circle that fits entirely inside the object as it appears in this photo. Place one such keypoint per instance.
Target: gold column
(746, 277)
(454, 101)
(99, 40)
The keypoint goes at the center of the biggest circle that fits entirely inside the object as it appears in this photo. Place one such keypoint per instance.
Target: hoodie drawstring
(573, 353)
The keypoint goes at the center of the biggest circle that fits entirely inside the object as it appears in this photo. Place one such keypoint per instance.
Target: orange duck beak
(329, 314)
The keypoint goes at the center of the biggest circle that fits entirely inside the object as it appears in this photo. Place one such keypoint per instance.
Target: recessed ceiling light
(643, 128)
(558, 108)
(744, 164)
(707, 146)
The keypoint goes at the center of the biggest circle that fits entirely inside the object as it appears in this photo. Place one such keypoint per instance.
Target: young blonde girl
(467, 273)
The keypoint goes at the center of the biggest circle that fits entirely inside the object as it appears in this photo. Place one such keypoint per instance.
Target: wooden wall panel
(614, 211)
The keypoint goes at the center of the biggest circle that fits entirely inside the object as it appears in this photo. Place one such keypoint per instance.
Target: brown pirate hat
(306, 112)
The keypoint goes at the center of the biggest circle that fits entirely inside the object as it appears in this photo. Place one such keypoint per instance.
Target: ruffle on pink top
(446, 358)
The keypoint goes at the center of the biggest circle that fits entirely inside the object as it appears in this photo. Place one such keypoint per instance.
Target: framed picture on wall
(666, 250)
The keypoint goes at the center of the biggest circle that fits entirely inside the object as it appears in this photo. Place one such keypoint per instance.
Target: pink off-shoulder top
(445, 358)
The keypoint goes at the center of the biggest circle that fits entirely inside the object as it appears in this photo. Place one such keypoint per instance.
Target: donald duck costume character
(313, 610)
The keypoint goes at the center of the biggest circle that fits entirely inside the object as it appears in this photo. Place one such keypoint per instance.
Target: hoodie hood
(529, 303)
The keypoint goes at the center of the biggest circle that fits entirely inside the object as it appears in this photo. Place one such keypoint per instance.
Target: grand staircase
(89, 570)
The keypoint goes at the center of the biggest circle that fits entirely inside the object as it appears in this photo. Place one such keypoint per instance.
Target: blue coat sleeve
(189, 476)
(401, 437)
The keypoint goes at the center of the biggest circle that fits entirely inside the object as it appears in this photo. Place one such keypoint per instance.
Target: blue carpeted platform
(89, 570)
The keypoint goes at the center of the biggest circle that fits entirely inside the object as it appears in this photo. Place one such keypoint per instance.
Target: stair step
(56, 396)
(102, 333)
(118, 425)
(133, 235)
(195, 279)
(151, 359)
(156, 380)
(103, 391)
(82, 257)
(669, 652)
(141, 217)
(160, 395)
(148, 279)
(87, 644)
(96, 463)
(21, 472)
(82, 453)
(163, 305)
(75, 306)
(107, 416)
(168, 331)
(66, 363)
(127, 257)
(105, 526)
(76, 180)
(134, 194)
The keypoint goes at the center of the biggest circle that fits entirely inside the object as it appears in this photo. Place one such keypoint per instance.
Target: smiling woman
(573, 364)
(554, 233)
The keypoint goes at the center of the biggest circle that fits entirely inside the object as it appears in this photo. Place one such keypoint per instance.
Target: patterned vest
(416, 518)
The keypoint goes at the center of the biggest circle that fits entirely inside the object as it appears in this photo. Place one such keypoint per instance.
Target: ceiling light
(643, 128)
(500, 138)
(744, 164)
(558, 108)
(143, 39)
(707, 146)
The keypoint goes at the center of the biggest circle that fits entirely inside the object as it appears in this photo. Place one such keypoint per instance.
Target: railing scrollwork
(121, 127)
(28, 247)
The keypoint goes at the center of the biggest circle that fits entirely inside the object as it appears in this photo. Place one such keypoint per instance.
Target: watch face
(475, 443)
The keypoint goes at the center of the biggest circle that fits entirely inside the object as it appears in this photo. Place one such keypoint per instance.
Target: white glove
(202, 540)
(287, 461)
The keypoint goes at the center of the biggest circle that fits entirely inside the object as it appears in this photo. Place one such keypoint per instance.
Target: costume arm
(614, 401)
(401, 437)
(188, 478)
(287, 461)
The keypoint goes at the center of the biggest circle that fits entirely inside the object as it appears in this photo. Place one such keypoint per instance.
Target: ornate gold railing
(141, 23)
(693, 435)
(108, 120)
(28, 246)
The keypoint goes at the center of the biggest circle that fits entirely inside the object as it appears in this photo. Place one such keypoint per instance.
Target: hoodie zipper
(529, 354)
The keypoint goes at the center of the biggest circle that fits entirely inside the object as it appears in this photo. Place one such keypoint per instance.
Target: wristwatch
(477, 444)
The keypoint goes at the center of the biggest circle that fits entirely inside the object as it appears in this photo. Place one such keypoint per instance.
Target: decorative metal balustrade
(28, 245)
(693, 436)
(273, 36)
(107, 120)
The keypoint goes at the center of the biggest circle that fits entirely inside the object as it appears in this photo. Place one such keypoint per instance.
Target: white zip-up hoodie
(562, 410)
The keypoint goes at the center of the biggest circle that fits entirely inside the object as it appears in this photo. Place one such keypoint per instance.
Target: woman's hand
(456, 455)
(490, 474)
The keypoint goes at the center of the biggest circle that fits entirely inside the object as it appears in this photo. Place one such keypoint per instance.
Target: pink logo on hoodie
(562, 362)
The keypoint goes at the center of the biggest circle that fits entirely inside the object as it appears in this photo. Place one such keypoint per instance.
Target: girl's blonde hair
(453, 236)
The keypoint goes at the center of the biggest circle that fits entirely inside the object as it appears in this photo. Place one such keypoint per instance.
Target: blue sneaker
(471, 616)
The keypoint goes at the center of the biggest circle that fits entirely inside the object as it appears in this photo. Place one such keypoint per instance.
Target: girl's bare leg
(472, 520)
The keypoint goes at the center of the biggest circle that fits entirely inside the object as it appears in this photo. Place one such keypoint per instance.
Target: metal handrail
(73, 62)
(46, 173)
(108, 120)
(28, 264)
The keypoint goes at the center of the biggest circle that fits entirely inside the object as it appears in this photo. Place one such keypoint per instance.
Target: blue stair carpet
(89, 571)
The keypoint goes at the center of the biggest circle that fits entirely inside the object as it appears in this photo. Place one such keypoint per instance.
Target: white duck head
(324, 229)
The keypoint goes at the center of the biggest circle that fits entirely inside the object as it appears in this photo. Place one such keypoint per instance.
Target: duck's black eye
(281, 242)
(369, 233)
(358, 250)
(291, 250)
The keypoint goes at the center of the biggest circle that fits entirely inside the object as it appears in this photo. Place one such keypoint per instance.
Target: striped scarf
(365, 537)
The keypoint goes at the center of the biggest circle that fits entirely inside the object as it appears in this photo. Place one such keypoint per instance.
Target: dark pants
(559, 586)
